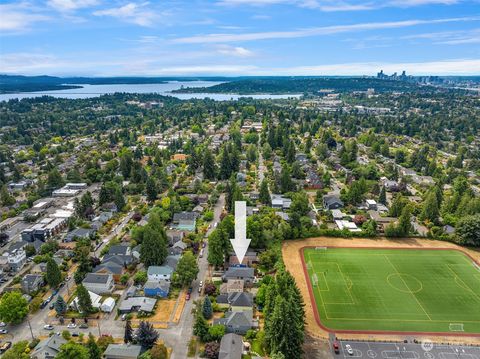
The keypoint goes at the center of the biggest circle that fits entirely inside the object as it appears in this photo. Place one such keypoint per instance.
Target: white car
(48, 327)
(349, 349)
(201, 284)
(3, 331)
(71, 326)
(2, 324)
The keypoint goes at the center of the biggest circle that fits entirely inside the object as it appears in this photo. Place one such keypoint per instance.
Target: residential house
(185, 221)
(16, 259)
(312, 180)
(278, 201)
(249, 259)
(80, 233)
(237, 322)
(244, 273)
(238, 301)
(174, 236)
(94, 298)
(49, 347)
(332, 202)
(158, 273)
(232, 286)
(172, 261)
(178, 248)
(32, 283)
(137, 304)
(122, 351)
(231, 347)
(159, 288)
(390, 186)
(99, 283)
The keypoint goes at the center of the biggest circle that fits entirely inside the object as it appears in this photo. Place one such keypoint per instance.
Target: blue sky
(239, 37)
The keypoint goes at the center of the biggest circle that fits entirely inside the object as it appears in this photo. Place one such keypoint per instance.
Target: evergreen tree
(152, 191)
(154, 247)
(209, 169)
(128, 335)
(92, 347)
(382, 198)
(216, 247)
(200, 327)
(53, 275)
(404, 222)
(430, 210)
(60, 305)
(187, 269)
(207, 310)
(84, 300)
(146, 335)
(5, 198)
(119, 199)
(286, 184)
(264, 194)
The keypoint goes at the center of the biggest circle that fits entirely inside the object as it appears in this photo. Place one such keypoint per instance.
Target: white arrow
(240, 243)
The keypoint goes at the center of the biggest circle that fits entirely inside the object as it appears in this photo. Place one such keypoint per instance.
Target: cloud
(234, 51)
(449, 37)
(132, 12)
(71, 5)
(314, 31)
(19, 17)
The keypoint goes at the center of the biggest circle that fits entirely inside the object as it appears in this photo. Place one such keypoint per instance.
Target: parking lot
(426, 350)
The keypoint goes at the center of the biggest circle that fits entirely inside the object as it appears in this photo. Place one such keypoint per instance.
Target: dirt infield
(291, 251)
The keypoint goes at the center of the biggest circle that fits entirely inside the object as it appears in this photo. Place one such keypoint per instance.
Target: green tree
(154, 247)
(216, 247)
(5, 198)
(92, 347)
(277, 356)
(382, 198)
(84, 300)
(200, 327)
(209, 169)
(187, 269)
(286, 183)
(53, 276)
(467, 230)
(72, 350)
(159, 351)
(216, 332)
(54, 179)
(152, 190)
(13, 307)
(430, 210)
(60, 305)
(17, 351)
(146, 335)
(264, 195)
(207, 310)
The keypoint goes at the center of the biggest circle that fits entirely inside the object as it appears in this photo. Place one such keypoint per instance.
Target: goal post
(315, 279)
(476, 265)
(456, 327)
(320, 248)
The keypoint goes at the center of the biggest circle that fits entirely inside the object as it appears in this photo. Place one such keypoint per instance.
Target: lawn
(395, 289)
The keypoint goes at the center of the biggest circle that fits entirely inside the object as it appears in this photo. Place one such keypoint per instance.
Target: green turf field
(395, 289)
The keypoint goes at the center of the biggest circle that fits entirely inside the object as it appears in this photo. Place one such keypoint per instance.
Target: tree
(200, 327)
(154, 247)
(209, 169)
(13, 307)
(128, 335)
(187, 269)
(54, 179)
(53, 276)
(159, 351)
(277, 355)
(286, 184)
(72, 350)
(84, 300)
(216, 247)
(216, 332)
(430, 210)
(60, 305)
(19, 350)
(382, 198)
(5, 198)
(264, 195)
(467, 230)
(207, 310)
(152, 191)
(104, 341)
(212, 349)
(146, 335)
(92, 347)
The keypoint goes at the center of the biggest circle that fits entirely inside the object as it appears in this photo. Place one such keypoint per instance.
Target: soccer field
(395, 289)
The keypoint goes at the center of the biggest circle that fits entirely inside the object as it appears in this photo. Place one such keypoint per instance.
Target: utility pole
(98, 325)
(30, 326)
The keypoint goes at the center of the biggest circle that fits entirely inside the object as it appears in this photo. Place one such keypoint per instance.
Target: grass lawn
(395, 289)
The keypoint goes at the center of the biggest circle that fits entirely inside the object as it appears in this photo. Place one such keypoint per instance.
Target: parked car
(336, 347)
(189, 291)
(51, 306)
(2, 324)
(71, 326)
(48, 327)
(187, 297)
(124, 317)
(5, 347)
(201, 283)
(75, 334)
(349, 349)
(83, 326)
(3, 331)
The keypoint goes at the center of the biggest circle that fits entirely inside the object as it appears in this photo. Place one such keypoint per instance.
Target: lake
(88, 91)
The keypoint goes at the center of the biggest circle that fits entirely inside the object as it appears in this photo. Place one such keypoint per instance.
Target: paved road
(427, 350)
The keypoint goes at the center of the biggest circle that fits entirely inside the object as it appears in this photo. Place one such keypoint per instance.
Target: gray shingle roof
(123, 350)
(97, 278)
(231, 347)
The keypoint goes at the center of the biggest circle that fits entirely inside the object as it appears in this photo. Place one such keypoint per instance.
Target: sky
(239, 37)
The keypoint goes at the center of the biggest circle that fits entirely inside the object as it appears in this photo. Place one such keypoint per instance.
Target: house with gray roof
(178, 248)
(231, 347)
(172, 261)
(332, 202)
(244, 273)
(157, 273)
(236, 301)
(81, 233)
(122, 351)
(99, 283)
(237, 322)
(137, 304)
(48, 348)
(32, 282)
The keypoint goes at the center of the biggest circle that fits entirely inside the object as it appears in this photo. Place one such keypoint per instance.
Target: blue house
(156, 289)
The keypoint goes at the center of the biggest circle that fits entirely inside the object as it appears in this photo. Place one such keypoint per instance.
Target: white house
(157, 273)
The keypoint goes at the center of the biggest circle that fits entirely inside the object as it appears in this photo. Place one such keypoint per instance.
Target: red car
(336, 347)
(187, 296)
